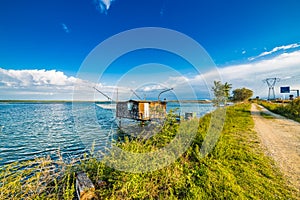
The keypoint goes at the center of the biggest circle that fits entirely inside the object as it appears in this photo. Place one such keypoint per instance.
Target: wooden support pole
(85, 189)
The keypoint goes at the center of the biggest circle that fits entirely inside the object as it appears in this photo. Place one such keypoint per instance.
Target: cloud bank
(277, 49)
(285, 66)
(52, 84)
(25, 78)
(38, 84)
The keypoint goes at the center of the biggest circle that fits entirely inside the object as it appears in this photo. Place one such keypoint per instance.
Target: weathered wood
(128, 109)
(141, 110)
(85, 189)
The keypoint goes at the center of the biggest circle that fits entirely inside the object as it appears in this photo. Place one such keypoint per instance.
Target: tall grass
(41, 178)
(236, 169)
(290, 110)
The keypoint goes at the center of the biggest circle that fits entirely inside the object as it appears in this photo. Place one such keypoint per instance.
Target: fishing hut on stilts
(140, 110)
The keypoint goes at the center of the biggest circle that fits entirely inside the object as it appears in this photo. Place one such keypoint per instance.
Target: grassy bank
(290, 110)
(235, 169)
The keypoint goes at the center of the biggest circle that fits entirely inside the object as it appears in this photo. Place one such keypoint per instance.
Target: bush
(290, 110)
(242, 94)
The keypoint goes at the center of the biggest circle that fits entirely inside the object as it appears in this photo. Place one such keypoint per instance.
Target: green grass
(266, 116)
(290, 110)
(35, 179)
(236, 169)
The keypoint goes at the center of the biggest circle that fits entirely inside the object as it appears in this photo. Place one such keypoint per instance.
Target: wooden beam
(85, 189)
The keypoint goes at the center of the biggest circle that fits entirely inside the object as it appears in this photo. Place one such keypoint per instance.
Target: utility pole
(271, 83)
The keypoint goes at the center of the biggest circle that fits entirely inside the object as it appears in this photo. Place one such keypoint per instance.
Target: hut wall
(141, 110)
(158, 109)
(127, 110)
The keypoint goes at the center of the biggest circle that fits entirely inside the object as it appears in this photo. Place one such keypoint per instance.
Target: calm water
(29, 130)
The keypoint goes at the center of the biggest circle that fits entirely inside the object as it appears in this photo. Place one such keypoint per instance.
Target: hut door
(146, 110)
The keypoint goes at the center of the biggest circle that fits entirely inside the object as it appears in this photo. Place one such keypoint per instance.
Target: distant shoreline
(71, 101)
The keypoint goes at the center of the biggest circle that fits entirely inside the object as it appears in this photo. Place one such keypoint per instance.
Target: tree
(242, 94)
(221, 93)
(227, 88)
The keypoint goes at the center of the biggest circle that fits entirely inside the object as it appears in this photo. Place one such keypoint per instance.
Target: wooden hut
(141, 110)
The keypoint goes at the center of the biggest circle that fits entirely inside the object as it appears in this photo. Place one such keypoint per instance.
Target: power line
(271, 83)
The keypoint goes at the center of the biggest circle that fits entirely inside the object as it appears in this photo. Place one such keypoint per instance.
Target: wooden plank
(158, 110)
(85, 189)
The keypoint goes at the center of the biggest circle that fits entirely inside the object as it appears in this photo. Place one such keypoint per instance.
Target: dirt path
(281, 138)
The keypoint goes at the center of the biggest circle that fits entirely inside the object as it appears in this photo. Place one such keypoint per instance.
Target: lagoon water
(30, 130)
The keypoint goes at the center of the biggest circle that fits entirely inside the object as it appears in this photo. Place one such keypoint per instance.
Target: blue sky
(43, 43)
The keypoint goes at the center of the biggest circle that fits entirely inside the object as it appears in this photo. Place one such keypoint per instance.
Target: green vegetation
(221, 93)
(242, 94)
(267, 116)
(36, 179)
(290, 110)
(236, 169)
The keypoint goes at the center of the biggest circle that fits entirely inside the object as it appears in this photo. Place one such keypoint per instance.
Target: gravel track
(281, 139)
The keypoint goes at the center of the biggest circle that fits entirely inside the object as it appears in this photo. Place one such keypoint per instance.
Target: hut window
(129, 105)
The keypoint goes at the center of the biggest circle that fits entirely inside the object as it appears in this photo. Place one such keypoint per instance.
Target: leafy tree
(242, 94)
(221, 93)
(227, 88)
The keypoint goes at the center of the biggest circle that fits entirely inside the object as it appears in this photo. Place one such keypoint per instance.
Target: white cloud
(65, 28)
(276, 49)
(103, 5)
(151, 88)
(52, 84)
(284, 64)
(38, 84)
(25, 78)
(243, 52)
(175, 81)
(251, 75)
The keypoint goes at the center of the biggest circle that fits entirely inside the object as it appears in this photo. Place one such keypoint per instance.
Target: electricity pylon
(271, 83)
